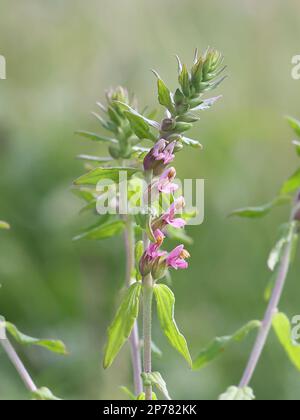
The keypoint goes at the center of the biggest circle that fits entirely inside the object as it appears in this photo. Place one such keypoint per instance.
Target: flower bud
(146, 264)
(159, 268)
(168, 124)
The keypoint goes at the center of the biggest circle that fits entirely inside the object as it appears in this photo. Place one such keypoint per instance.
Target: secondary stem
(16, 361)
(147, 326)
(267, 322)
(134, 337)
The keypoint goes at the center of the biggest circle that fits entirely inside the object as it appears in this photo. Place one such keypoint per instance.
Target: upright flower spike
(129, 128)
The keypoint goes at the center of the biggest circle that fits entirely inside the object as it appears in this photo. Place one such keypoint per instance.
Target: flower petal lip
(176, 258)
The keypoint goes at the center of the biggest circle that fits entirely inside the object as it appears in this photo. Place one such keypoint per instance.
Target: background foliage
(60, 58)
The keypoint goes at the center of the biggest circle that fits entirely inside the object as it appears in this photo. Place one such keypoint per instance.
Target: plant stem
(134, 337)
(267, 322)
(147, 326)
(18, 364)
(147, 310)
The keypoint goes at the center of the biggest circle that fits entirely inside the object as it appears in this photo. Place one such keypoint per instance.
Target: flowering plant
(147, 264)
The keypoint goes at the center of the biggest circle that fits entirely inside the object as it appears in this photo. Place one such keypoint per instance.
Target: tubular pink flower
(165, 183)
(159, 156)
(169, 217)
(177, 258)
(153, 249)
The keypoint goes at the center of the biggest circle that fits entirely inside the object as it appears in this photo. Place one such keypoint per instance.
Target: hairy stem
(147, 326)
(267, 321)
(134, 337)
(18, 364)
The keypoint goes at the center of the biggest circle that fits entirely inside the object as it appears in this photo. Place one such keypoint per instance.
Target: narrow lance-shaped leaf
(165, 97)
(295, 124)
(234, 393)
(44, 394)
(102, 231)
(283, 330)
(289, 238)
(155, 378)
(219, 345)
(207, 103)
(86, 194)
(165, 307)
(104, 174)
(122, 325)
(128, 393)
(191, 142)
(97, 159)
(260, 211)
(292, 184)
(296, 143)
(95, 137)
(56, 346)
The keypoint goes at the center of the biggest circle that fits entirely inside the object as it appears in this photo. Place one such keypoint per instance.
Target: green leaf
(97, 159)
(4, 225)
(261, 211)
(139, 126)
(184, 81)
(207, 104)
(165, 307)
(95, 137)
(56, 346)
(238, 394)
(296, 143)
(295, 124)
(102, 231)
(142, 397)
(155, 378)
(44, 394)
(128, 393)
(132, 111)
(122, 325)
(86, 194)
(292, 184)
(191, 142)
(219, 345)
(165, 97)
(100, 174)
(289, 236)
(283, 330)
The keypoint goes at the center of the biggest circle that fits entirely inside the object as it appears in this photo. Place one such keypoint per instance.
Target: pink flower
(177, 258)
(169, 217)
(153, 249)
(165, 183)
(159, 156)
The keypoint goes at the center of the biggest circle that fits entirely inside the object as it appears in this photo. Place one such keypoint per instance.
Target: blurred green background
(61, 56)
